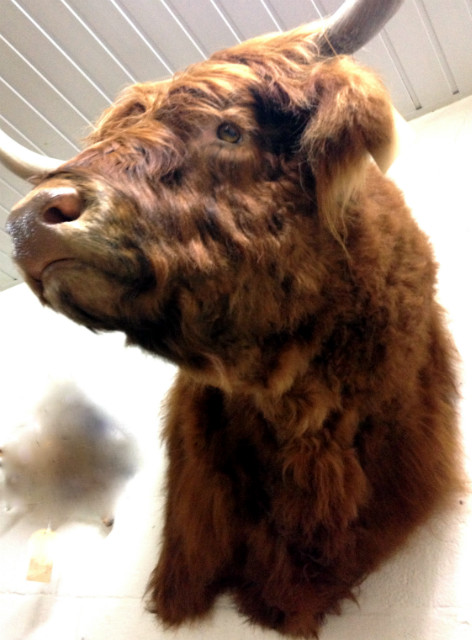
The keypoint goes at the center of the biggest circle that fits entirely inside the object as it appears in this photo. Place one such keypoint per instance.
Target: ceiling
(63, 61)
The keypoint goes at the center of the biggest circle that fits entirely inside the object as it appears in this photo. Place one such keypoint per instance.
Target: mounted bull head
(160, 132)
(230, 219)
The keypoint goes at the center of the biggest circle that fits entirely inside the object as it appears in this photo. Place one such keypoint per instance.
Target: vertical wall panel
(123, 38)
(156, 22)
(296, 13)
(249, 17)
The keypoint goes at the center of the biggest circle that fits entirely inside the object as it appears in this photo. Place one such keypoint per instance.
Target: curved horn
(354, 24)
(22, 161)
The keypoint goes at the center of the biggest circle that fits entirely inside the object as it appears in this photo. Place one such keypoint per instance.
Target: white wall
(98, 581)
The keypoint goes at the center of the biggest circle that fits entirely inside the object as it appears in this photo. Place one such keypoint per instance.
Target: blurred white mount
(70, 460)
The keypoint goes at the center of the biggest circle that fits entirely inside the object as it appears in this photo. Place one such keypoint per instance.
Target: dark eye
(229, 133)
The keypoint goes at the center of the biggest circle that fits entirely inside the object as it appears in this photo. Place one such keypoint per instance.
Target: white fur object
(70, 459)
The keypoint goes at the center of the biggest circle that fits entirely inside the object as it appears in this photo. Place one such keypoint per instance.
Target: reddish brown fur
(312, 424)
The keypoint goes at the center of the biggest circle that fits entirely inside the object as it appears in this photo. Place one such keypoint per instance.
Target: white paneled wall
(95, 594)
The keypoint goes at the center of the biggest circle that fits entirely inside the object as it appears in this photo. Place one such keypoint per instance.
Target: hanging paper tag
(41, 547)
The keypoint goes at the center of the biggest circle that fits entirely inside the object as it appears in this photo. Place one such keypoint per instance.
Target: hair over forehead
(226, 77)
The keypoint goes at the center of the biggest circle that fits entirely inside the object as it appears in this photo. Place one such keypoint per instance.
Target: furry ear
(352, 118)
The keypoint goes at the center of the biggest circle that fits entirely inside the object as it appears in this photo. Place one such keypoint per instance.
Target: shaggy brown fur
(230, 220)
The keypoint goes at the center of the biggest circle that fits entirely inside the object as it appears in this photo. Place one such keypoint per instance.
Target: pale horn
(22, 161)
(354, 24)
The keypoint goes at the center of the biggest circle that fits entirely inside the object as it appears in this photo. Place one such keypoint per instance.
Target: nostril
(54, 215)
(65, 207)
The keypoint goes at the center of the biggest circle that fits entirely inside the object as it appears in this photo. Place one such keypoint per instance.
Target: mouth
(38, 281)
(75, 288)
(54, 265)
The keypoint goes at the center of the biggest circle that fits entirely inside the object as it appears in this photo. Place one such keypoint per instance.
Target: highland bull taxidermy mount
(231, 220)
